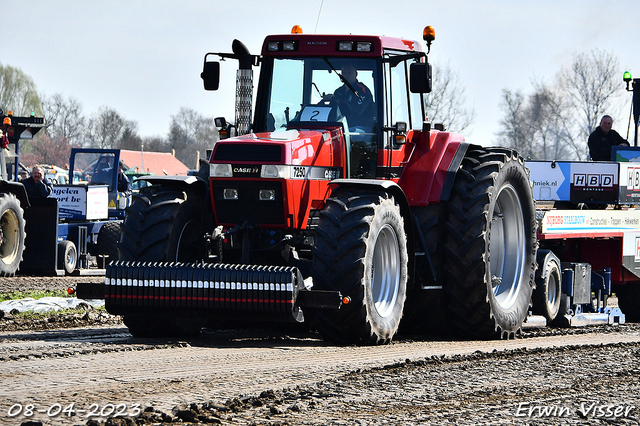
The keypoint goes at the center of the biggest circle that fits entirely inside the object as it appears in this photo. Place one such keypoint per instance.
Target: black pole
(636, 107)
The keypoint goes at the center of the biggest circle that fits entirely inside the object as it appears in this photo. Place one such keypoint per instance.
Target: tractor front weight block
(208, 290)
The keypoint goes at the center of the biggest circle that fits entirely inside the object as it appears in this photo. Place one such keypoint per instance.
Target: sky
(143, 58)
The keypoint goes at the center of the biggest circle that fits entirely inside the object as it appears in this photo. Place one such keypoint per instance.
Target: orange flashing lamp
(429, 34)
(297, 29)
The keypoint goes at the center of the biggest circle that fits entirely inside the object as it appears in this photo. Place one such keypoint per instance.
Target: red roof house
(159, 163)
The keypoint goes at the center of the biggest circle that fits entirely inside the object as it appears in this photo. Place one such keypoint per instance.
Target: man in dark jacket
(37, 185)
(603, 138)
(355, 102)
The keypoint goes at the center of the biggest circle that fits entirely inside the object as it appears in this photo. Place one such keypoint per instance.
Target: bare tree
(130, 138)
(44, 149)
(558, 118)
(18, 92)
(63, 118)
(515, 131)
(105, 128)
(591, 85)
(189, 133)
(445, 103)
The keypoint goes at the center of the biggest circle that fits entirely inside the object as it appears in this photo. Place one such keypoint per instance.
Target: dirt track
(267, 377)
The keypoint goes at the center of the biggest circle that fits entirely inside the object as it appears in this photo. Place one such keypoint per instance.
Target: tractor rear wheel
(361, 251)
(490, 248)
(12, 234)
(162, 225)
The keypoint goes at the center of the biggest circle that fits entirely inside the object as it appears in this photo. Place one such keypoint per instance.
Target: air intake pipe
(244, 87)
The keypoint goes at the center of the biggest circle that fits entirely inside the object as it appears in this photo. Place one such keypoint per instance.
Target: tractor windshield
(300, 82)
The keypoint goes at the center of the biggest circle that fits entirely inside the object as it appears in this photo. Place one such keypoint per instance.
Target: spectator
(354, 100)
(37, 185)
(603, 139)
(123, 181)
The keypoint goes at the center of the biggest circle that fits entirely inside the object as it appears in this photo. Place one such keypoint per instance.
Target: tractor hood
(286, 154)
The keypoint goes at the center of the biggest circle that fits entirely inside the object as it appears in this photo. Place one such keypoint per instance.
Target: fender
(431, 169)
(398, 194)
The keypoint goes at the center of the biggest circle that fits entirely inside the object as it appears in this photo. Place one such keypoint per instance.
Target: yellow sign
(112, 204)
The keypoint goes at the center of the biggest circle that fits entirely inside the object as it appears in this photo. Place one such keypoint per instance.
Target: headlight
(220, 170)
(274, 171)
(230, 194)
(267, 194)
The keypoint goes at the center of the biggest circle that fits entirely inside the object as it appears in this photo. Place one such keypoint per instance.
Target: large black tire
(162, 224)
(629, 301)
(547, 294)
(108, 238)
(12, 234)
(425, 310)
(361, 251)
(67, 256)
(490, 248)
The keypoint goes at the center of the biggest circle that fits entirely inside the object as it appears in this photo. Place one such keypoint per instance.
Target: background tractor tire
(629, 301)
(12, 234)
(67, 256)
(108, 239)
(361, 251)
(547, 294)
(490, 248)
(162, 225)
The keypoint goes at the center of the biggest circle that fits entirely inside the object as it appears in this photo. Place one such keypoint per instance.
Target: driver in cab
(354, 100)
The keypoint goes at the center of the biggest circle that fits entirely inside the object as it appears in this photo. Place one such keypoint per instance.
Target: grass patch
(35, 294)
(30, 315)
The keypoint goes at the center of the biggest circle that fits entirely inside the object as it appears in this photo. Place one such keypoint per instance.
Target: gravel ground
(564, 385)
(596, 385)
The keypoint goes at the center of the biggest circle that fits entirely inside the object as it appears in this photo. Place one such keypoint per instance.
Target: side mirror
(211, 75)
(420, 77)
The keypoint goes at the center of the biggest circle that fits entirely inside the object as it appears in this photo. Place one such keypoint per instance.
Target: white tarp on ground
(45, 304)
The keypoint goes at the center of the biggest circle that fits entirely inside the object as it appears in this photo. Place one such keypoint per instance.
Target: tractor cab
(369, 87)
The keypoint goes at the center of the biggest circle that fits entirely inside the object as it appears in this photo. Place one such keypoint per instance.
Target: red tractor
(337, 205)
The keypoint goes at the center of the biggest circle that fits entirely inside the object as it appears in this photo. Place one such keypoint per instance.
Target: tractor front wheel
(361, 251)
(12, 234)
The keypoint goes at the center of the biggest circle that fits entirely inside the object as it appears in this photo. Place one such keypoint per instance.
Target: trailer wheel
(67, 256)
(490, 248)
(108, 238)
(12, 234)
(547, 294)
(162, 224)
(361, 251)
